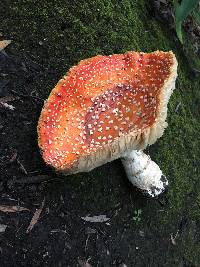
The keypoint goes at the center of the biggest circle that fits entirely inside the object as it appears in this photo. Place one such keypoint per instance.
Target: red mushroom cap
(105, 106)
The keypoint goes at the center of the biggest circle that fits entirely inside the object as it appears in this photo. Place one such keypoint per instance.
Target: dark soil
(165, 231)
(60, 237)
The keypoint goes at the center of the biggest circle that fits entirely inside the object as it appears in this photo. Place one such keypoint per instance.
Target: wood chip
(3, 228)
(96, 219)
(35, 217)
(4, 43)
(5, 208)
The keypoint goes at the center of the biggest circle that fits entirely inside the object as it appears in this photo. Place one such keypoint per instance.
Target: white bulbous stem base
(144, 173)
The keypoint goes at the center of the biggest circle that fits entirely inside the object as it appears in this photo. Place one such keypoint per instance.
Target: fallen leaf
(4, 43)
(13, 157)
(90, 231)
(5, 208)
(163, 1)
(59, 231)
(177, 107)
(5, 105)
(95, 219)
(2, 228)
(33, 179)
(10, 98)
(35, 217)
(173, 238)
(122, 265)
(84, 263)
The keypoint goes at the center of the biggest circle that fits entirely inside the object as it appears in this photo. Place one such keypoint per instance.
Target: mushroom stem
(144, 173)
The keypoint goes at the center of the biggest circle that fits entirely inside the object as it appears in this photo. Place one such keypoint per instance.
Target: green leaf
(182, 10)
(139, 211)
(196, 15)
(179, 32)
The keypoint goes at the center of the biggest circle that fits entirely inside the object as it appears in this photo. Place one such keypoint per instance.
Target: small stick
(8, 106)
(22, 167)
(35, 217)
(34, 179)
(5, 208)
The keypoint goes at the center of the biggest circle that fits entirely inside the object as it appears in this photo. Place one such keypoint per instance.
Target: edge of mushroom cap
(132, 141)
(125, 143)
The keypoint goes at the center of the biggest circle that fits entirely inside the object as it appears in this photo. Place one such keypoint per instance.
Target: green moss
(71, 31)
(191, 49)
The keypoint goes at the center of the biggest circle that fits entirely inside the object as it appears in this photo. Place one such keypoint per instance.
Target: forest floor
(48, 37)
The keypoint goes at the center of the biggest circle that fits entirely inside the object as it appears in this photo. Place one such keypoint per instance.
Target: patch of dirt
(42, 214)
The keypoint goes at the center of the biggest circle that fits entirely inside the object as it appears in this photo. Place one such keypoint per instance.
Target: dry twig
(5, 208)
(34, 179)
(22, 166)
(35, 217)
(96, 219)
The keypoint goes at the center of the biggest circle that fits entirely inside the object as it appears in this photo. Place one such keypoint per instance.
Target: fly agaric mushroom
(110, 107)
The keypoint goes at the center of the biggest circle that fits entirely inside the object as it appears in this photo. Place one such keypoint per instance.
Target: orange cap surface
(99, 100)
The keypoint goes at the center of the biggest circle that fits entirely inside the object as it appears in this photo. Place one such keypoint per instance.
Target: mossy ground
(58, 34)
